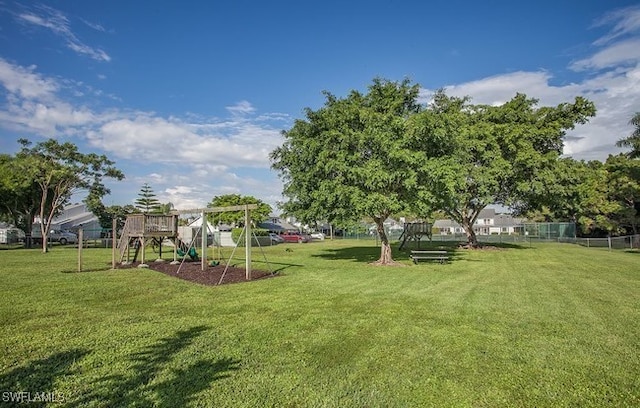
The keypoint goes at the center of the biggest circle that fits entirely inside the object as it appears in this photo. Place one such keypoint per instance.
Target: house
(487, 223)
(391, 226)
(10, 234)
(275, 223)
(76, 216)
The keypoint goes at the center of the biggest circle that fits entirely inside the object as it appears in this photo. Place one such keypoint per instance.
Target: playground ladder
(123, 243)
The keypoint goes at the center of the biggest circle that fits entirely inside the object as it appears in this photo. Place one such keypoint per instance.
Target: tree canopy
(19, 194)
(382, 153)
(355, 157)
(58, 170)
(236, 218)
(478, 155)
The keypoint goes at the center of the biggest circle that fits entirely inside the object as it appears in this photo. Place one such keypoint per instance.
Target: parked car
(63, 237)
(293, 236)
(275, 238)
(318, 235)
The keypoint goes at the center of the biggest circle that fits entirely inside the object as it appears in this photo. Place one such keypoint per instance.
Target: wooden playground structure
(142, 230)
(414, 231)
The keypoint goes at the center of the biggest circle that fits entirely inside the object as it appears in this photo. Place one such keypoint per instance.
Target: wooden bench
(441, 256)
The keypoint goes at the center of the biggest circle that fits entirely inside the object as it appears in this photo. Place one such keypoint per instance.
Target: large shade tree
(479, 155)
(59, 170)
(576, 191)
(354, 158)
(623, 181)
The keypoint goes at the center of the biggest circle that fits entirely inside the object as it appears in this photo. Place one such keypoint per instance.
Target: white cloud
(625, 52)
(611, 81)
(196, 192)
(616, 95)
(95, 26)
(241, 108)
(58, 23)
(32, 104)
(25, 82)
(193, 160)
(625, 21)
(496, 90)
(174, 141)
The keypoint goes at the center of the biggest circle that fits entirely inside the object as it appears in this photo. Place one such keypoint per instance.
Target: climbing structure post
(114, 242)
(204, 230)
(247, 240)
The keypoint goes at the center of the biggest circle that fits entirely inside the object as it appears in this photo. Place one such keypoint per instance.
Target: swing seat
(192, 253)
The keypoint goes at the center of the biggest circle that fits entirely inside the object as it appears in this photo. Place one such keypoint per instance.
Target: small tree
(60, 170)
(19, 193)
(106, 215)
(147, 201)
(236, 218)
(165, 208)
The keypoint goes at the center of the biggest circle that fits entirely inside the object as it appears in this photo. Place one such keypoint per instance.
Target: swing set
(142, 229)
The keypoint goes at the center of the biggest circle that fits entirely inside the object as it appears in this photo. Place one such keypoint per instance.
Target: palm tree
(633, 140)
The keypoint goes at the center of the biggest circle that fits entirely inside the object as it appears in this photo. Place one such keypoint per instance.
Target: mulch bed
(192, 271)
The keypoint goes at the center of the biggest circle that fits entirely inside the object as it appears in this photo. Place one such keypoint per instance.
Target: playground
(144, 231)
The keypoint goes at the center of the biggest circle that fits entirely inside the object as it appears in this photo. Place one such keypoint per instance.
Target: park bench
(441, 256)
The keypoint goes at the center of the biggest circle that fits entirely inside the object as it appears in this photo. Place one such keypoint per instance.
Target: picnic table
(439, 255)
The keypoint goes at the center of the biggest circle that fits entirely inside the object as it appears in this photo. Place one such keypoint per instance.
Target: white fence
(626, 242)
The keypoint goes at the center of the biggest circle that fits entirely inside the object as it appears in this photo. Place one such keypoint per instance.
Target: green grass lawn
(550, 325)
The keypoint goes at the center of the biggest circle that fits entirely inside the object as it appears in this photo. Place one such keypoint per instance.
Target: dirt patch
(192, 271)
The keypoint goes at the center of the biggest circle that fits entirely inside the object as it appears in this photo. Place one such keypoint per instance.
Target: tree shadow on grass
(367, 254)
(507, 245)
(139, 388)
(103, 269)
(283, 265)
(40, 376)
(356, 253)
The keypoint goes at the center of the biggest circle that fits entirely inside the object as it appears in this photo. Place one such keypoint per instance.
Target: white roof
(198, 223)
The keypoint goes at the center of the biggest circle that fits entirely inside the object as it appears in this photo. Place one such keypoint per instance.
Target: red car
(292, 236)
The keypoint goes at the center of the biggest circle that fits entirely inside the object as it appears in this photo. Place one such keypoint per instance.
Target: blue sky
(191, 97)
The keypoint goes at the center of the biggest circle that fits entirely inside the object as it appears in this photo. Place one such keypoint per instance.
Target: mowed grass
(548, 325)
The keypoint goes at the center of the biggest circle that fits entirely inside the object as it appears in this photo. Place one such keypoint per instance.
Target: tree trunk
(386, 257)
(45, 237)
(29, 231)
(472, 239)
